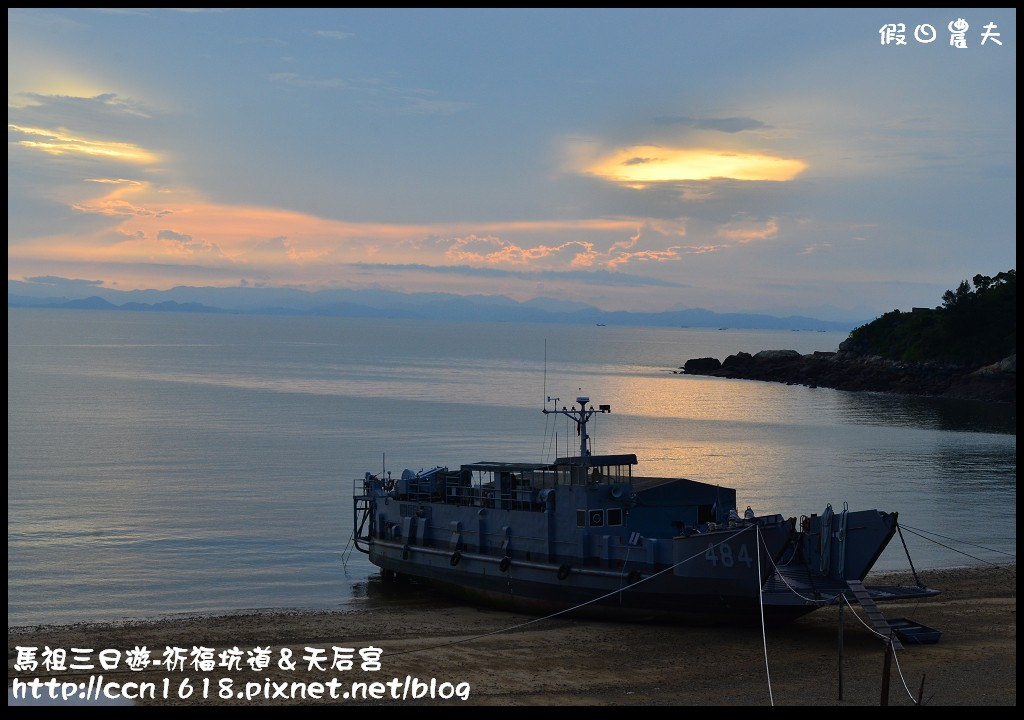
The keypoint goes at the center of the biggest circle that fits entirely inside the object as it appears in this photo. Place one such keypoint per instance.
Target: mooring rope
(760, 598)
(550, 441)
(946, 537)
(899, 670)
(792, 589)
(907, 551)
(623, 574)
(344, 559)
(948, 547)
(840, 597)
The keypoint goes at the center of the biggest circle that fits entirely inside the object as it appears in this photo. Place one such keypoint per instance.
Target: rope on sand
(760, 597)
(899, 670)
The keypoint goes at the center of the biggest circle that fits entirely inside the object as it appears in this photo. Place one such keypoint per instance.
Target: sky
(739, 160)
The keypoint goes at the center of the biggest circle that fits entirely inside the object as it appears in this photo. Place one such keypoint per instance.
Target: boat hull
(715, 578)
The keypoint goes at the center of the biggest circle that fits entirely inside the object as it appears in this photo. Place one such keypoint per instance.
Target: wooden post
(885, 671)
(840, 647)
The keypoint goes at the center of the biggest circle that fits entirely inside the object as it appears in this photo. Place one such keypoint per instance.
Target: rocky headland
(851, 369)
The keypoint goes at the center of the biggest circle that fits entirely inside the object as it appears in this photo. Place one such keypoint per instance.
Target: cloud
(64, 109)
(494, 250)
(703, 249)
(63, 284)
(624, 252)
(598, 277)
(644, 255)
(668, 227)
(379, 96)
(280, 249)
(419, 102)
(118, 202)
(115, 181)
(297, 81)
(645, 243)
(63, 142)
(726, 125)
(412, 101)
(816, 247)
(186, 245)
(150, 224)
(644, 165)
(334, 34)
(639, 161)
(50, 20)
(747, 231)
(136, 220)
(698, 192)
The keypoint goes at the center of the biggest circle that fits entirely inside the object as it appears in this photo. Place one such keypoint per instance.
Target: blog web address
(98, 689)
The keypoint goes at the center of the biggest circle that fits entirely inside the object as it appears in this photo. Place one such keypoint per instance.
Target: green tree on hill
(971, 328)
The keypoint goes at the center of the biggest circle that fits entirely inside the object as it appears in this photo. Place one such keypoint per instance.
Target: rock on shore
(850, 370)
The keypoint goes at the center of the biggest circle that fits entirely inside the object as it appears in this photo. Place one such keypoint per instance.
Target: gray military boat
(584, 535)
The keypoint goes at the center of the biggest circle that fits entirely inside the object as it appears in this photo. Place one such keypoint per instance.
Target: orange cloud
(62, 142)
(473, 248)
(493, 250)
(186, 246)
(167, 226)
(644, 165)
(701, 249)
(745, 232)
(655, 255)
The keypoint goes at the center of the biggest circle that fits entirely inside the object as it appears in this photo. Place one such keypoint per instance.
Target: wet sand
(567, 662)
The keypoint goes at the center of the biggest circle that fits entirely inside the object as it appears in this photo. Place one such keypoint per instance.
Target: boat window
(597, 518)
(614, 516)
(581, 518)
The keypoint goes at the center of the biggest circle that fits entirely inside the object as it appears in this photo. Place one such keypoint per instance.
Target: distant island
(63, 294)
(965, 348)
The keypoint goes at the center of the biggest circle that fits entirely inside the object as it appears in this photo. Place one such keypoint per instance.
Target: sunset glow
(774, 160)
(59, 142)
(644, 165)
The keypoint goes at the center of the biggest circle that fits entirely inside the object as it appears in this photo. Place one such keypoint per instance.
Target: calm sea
(161, 464)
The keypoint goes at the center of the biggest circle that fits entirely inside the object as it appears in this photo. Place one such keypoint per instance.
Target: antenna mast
(580, 417)
(545, 368)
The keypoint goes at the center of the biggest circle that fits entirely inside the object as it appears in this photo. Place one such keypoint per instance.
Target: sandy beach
(486, 657)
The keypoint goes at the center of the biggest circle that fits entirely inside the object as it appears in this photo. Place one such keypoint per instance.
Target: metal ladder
(874, 614)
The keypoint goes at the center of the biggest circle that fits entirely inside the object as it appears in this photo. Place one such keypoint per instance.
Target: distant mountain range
(384, 304)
